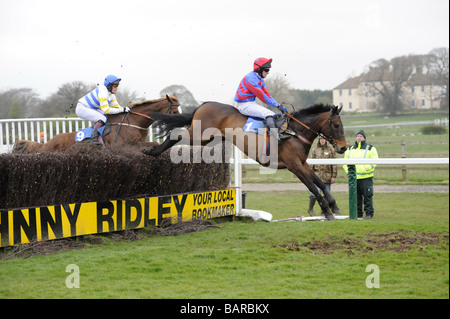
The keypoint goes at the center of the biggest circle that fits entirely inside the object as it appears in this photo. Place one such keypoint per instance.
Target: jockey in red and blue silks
(253, 86)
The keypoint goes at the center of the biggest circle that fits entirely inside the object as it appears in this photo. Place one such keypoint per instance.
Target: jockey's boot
(95, 133)
(312, 201)
(271, 124)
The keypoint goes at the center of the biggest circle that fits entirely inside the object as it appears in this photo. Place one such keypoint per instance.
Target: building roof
(420, 79)
(351, 83)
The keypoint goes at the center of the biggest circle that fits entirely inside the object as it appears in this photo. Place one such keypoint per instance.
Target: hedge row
(86, 173)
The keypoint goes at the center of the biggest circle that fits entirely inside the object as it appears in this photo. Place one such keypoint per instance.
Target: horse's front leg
(304, 173)
(331, 201)
(156, 150)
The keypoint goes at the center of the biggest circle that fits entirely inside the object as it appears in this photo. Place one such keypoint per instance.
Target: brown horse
(125, 127)
(304, 126)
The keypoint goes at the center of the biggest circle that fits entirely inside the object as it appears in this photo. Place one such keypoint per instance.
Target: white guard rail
(12, 130)
(238, 161)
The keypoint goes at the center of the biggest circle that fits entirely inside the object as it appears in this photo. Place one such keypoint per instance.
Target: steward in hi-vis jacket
(364, 173)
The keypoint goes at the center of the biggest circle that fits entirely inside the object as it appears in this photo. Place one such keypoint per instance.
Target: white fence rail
(238, 161)
(12, 130)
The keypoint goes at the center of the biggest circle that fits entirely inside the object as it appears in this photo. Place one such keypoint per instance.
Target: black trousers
(365, 196)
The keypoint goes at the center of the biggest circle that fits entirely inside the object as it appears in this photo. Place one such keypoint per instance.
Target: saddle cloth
(87, 133)
(258, 125)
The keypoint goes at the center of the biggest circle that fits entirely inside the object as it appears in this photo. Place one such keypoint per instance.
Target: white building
(358, 94)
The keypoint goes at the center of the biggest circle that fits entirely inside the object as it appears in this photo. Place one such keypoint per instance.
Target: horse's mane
(312, 110)
(152, 101)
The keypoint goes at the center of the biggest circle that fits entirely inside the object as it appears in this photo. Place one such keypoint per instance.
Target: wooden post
(404, 177)
(352, 192)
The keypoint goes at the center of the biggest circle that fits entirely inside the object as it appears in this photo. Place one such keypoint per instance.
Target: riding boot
(312, 201)
(95, 133)
(271, 125)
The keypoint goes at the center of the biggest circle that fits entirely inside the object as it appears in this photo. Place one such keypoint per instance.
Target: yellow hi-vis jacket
(362, 150)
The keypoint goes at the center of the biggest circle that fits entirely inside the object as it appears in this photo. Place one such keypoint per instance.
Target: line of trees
(295, 99)
(25, 103)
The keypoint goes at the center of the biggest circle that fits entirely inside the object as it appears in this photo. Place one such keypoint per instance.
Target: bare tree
(125, 95)
(64, 101)
(390, 77)
(437, 63)
(18, 102)
(280, 90)
(185, 97)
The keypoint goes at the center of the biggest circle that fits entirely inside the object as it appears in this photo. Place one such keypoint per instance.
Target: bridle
(330, 139)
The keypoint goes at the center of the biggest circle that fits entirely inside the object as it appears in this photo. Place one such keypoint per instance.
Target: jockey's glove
(283, 108)
(126, 109)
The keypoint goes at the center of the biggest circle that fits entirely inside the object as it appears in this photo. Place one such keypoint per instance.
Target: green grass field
(407, 240)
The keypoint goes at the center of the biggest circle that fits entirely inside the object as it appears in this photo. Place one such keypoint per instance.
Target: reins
(140, 114)
(330, 139)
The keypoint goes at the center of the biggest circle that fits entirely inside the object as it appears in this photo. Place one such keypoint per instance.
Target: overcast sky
(208, 45)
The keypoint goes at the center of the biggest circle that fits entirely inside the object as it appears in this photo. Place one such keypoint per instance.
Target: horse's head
(174, 105)
(333, 130)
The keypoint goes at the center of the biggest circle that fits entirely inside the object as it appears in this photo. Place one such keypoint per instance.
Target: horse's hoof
(149, 151)
(329, 216)
(337, 212)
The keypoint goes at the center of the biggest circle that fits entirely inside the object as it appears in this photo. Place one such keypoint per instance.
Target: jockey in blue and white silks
(100, 101)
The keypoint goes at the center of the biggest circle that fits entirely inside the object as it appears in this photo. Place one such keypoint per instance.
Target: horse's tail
(168, 122)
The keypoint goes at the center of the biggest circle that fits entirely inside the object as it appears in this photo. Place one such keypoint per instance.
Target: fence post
(238, 179)
(352, 197)
(404, 177)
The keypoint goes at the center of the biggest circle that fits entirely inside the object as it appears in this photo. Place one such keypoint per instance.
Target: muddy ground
(394, 241)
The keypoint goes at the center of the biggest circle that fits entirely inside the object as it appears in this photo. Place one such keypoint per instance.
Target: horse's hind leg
(331, 201)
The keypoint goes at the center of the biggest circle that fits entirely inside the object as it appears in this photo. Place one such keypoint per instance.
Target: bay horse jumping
(304, 126)
(125, 127)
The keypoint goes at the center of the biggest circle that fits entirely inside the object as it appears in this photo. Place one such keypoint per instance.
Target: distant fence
(439, 122)
(238, 161)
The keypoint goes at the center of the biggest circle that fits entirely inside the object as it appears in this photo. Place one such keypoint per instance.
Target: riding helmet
(262, 63)
(111, 80)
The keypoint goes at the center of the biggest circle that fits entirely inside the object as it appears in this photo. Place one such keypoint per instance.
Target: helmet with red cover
(262, 63)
